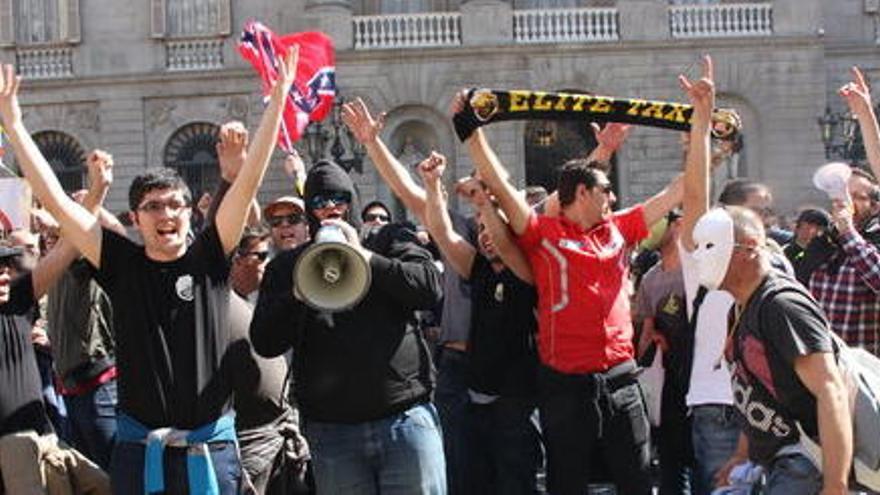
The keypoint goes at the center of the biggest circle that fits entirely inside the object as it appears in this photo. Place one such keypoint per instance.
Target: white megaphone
(833, 178)
(330, 275)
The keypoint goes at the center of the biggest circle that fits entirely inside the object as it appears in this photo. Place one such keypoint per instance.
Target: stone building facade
(149, 80)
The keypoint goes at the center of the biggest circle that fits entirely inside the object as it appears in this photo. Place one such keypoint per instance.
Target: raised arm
(457, 251)
(608, 140)
(233, 210)
(697, 164)
(494, 176)
(499, 232)
(99, 164)
(50, 267)
(858, 97)
(77, 225)
(366, 130)
(295, 168)
(232, 146)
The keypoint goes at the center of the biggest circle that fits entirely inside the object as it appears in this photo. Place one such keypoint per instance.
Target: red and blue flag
(312, 93)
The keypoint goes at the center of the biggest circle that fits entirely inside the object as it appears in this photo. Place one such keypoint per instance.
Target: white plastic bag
(651, 381)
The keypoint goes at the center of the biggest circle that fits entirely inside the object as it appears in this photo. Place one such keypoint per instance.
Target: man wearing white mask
(785, 377)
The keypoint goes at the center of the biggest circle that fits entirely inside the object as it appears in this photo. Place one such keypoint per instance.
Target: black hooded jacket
(365, 363)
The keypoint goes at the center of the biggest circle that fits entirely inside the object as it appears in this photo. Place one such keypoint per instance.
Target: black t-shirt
(780, 323)
(169, 321)
(21, 399)
(502, 341)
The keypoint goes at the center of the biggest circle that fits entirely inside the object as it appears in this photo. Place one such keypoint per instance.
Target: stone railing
(565, 25)
(193, 54)
(45, 62)
(716, 21)
(407, 30)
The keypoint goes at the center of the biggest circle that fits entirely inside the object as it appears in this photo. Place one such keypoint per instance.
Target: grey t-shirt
(455, 322)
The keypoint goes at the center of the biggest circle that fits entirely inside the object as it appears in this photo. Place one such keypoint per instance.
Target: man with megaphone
(362, 370)
(842, 267)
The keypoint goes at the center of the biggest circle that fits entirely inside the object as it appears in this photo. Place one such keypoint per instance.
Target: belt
(86, 387)
(199, 468)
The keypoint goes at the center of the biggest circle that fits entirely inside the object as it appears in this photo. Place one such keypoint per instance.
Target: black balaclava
(325, 177)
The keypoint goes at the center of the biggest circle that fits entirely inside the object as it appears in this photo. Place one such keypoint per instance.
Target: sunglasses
(374, 217)
(155, 206)
(320, 201)
(257, 255)
(7, 262)
(292, 219)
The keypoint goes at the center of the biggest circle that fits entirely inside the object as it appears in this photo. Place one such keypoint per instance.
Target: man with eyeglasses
(287, 220)
(170, 300)
(363, 375)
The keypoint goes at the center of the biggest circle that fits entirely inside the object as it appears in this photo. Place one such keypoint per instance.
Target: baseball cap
(284, 201)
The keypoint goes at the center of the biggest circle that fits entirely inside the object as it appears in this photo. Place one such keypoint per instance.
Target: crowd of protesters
(170, 350)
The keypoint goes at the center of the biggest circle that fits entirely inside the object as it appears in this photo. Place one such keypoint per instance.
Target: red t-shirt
(584, 322)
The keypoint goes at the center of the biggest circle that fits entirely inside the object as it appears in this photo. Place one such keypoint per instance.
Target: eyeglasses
(292, 219)
(320, 201)
(376, 217)
(605, 188)
(155, 206)
(258, 255)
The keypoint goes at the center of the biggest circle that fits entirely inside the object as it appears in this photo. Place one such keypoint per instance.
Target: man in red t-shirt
(591, 406)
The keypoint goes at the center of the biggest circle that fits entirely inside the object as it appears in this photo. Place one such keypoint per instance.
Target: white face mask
(713, 235)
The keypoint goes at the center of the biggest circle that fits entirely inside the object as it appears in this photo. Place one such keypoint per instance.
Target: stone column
(486, 23)
(643, 20)
(334, 18)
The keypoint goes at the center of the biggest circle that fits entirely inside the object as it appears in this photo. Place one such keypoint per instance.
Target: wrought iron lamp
(840, 136)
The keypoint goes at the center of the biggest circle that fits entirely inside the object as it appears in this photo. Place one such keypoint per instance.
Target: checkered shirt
(847, 286)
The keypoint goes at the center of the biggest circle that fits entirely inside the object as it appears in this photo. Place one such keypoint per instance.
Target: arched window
(65, 155)
(191, 152)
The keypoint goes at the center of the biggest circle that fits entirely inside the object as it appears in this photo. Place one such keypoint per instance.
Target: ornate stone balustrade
(565, 25)
(193, 54)
(717, 21)
(407, 30)
(44, 62)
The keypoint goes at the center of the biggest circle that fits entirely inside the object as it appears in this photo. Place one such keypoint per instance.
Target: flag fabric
(15, 204)
(312, 93)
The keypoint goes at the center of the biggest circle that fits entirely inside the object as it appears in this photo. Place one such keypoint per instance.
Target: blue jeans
(504, 449)
(400, 454)
(793, 475)
(127, 468)
(55, 407)
(92, 420)
(452, 401)
(715, 434)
